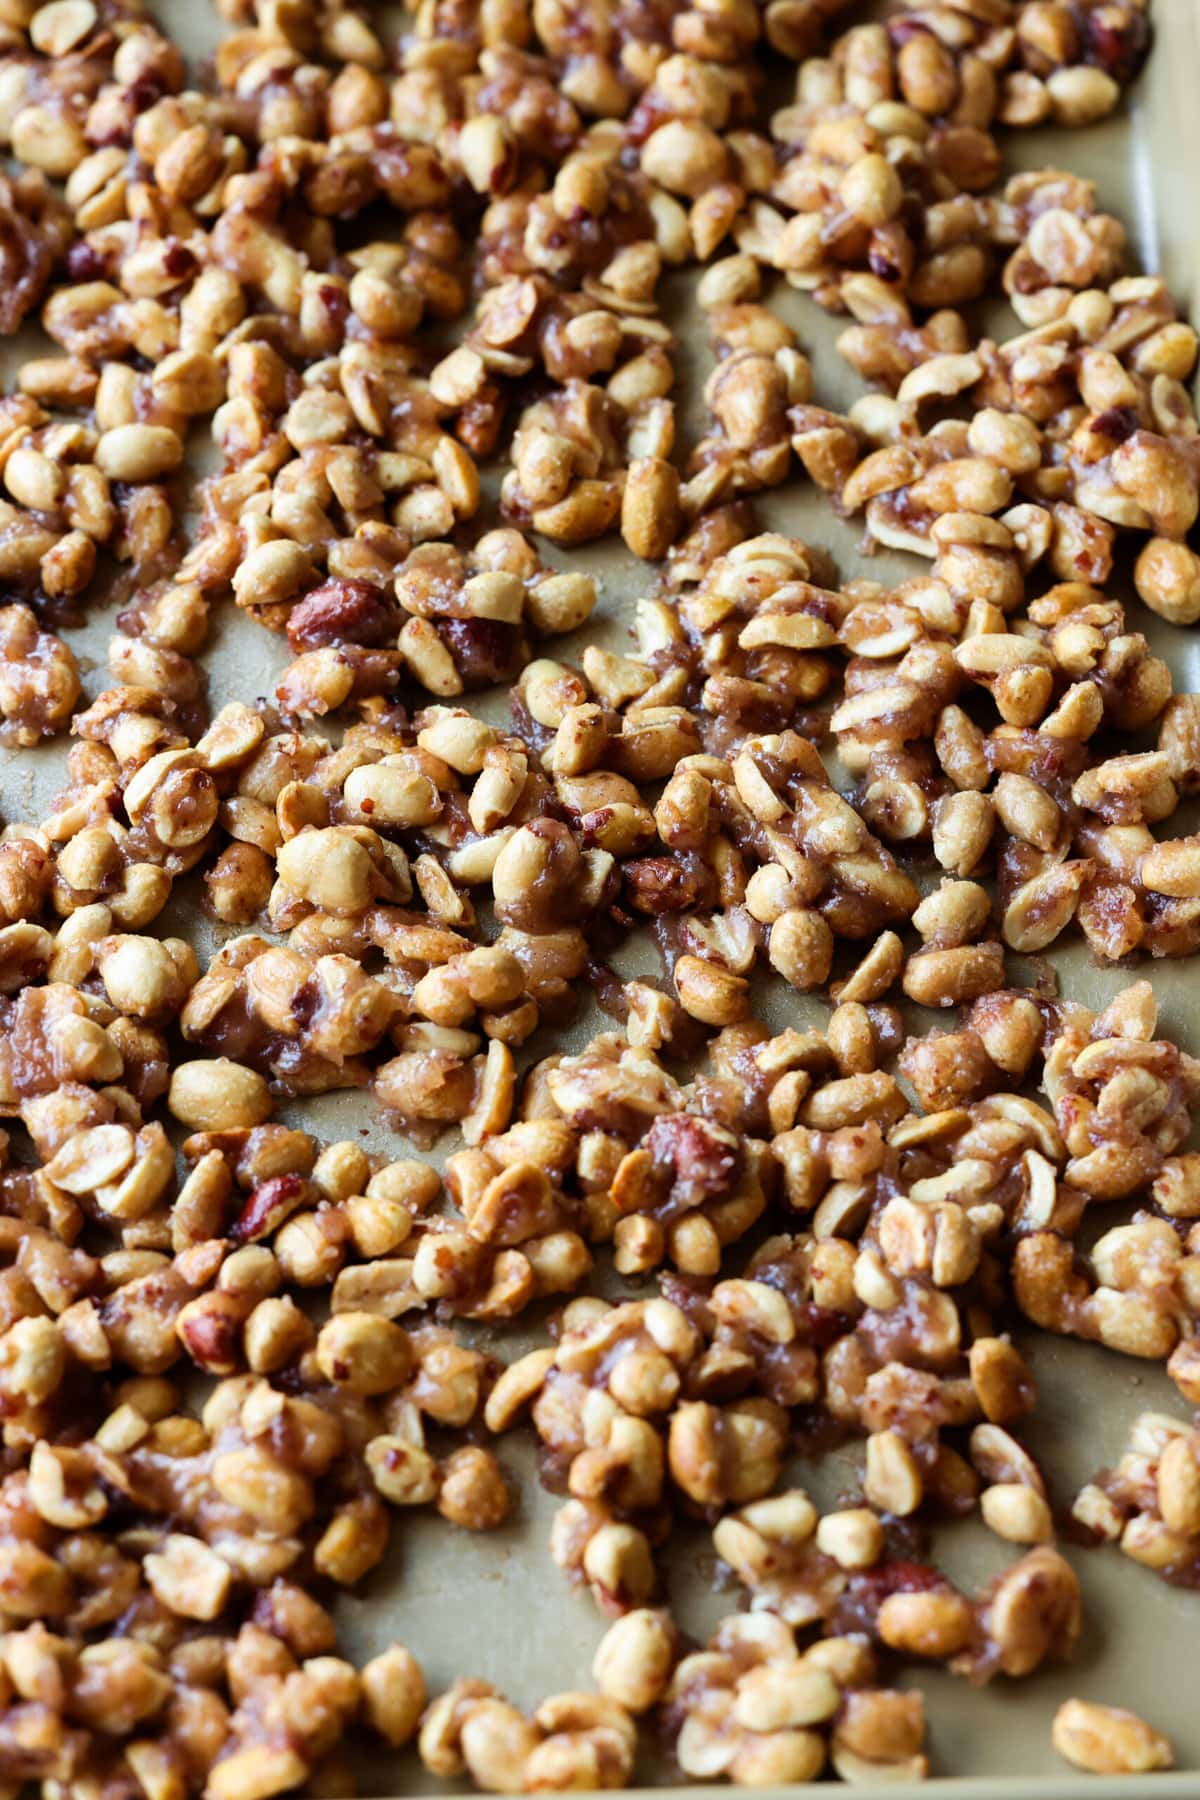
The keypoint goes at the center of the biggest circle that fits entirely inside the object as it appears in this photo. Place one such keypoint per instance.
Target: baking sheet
(494, 1605)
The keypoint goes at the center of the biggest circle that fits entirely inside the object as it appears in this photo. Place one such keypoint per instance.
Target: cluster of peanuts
(230, 1352)
(1147, 1504)
(751, 1706)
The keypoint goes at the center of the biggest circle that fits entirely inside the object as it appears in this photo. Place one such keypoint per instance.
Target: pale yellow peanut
(1108, 1740)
